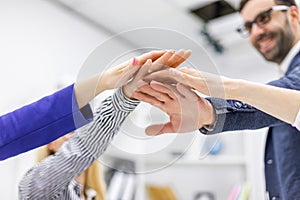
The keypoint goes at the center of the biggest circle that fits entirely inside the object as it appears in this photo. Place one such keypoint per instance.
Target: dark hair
(278, 2)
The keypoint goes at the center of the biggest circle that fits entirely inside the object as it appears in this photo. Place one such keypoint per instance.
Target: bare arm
(87, 89)
(281, 103)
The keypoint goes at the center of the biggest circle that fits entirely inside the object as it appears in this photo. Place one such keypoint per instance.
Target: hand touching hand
(206, 83)
(121, 74)
(170, 59)
(118, 76)
(187, 111)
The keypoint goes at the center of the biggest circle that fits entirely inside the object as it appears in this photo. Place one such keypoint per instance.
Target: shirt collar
(288, 59)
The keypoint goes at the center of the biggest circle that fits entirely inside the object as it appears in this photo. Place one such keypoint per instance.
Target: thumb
(125, 73)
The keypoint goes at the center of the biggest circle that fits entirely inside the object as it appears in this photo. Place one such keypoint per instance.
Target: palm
(183, 108)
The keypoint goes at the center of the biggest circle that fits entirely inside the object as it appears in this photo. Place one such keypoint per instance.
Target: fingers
(187, 92)
(154, 98)
(132, 85)
(127, 72)
(179, 58)
(161, 96)
(153, 55)
(163, 59)
(165, 89)
(161, 62)
(186, 76)
(167, 76)
(190, 71)
(174, 76)
(176, 58)
(147, 99)
(144, 69)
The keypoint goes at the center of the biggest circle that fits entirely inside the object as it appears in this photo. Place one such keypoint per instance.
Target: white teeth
(265, 42)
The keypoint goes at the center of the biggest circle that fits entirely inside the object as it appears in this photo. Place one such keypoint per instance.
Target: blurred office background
(44, 44)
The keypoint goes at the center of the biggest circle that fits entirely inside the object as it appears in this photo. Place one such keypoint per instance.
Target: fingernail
(153, 82)
(134, 61)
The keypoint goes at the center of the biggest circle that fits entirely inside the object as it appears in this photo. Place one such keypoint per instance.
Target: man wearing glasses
(274, 30)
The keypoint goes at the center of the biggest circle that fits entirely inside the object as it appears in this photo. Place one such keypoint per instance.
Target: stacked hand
(206, 83)
(174, 95)
(169, 59)
(123, 74)
(187, 111)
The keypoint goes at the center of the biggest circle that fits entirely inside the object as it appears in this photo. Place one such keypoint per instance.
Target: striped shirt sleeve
(51, 177)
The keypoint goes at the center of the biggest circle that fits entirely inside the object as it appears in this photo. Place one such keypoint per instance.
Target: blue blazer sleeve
(235, 115)
(41, 122)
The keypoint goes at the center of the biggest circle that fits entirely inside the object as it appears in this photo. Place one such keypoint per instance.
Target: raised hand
(187, 111)
(206, 83)
(169, 59)
(121, 74)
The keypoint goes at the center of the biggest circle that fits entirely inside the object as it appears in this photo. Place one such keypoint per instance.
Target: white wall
(41, 46)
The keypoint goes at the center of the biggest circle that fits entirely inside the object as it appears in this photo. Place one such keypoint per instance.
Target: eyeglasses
(261, 20)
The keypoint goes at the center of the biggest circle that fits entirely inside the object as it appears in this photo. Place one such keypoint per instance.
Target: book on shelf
(240, 192)
(156, 192)
(121, 183)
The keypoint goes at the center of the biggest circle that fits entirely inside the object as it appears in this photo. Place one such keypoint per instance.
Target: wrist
(209, 126)
(101, 84)
(207, 115)
(233, 88)
(212, 114)
(127, 91)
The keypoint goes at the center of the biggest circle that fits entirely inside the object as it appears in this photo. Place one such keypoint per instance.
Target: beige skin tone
(118, 76)
(182, 105)
(273, 41)
(284, 104)
(127, 75)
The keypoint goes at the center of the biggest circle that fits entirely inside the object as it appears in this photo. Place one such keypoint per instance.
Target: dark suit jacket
(41, 122)
(282, 153)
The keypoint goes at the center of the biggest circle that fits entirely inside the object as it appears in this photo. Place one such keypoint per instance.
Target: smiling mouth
(265, 43)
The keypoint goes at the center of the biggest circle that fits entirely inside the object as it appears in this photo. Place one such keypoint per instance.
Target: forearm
(282, 103)
(79, 152)
(41, 122)
(86, 90)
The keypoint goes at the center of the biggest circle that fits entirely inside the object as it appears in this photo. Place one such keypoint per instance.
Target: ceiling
(115, 16)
